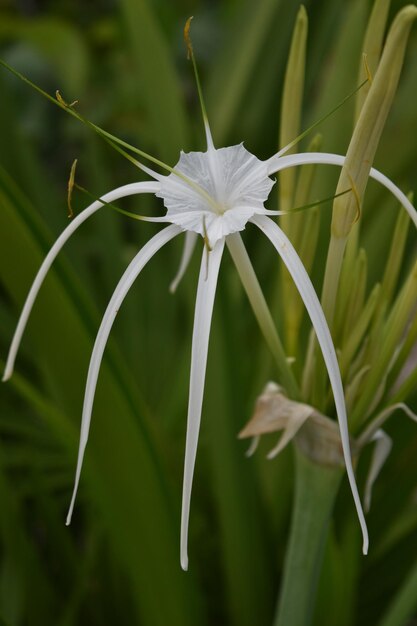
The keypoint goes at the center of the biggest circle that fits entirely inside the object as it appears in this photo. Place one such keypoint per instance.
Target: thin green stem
(316, 487)
(308, 130)
(262, 312)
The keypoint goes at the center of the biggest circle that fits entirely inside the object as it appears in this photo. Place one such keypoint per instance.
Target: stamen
(357, 198)
(367, 68)
(112, 139)
(191, 57)
(306, 207)
(115, 142)
(62, 101)
(71, 182)
(109, 204)
(187, 37)
(322, 119)
(311, 205)
(205, 236)
(137, 216)
(207, 245)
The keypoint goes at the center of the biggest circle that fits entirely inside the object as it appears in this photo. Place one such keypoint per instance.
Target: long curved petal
(119, 294)
(276, 164)
(206, 291)
(187, 253)
(306, 290)
(120, 192)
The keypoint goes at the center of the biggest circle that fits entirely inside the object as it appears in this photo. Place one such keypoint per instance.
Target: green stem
(316, 487)
(262, 313)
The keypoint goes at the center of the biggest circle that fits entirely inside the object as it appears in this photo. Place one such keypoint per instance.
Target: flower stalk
(262, 312)
(316, 487)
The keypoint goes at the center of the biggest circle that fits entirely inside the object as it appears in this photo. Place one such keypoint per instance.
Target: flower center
(226, 187)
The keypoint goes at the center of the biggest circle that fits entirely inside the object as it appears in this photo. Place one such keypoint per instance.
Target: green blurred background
(118, 563)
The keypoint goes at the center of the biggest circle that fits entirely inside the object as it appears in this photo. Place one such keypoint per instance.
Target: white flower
(213, 194)
(232, 187)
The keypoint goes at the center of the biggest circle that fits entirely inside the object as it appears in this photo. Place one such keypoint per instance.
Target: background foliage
(124, 60)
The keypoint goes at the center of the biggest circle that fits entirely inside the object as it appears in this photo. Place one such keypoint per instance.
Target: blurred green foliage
(118, 563)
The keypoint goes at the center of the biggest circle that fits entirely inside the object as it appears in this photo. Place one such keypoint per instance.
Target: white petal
(226, 182)
(209, 224)
(187, 253)
(119, 294)
(209, 138)
(383, 445)
(120, 192)
(276, 164)
(306, 290)
(206, 291)
(245, 176)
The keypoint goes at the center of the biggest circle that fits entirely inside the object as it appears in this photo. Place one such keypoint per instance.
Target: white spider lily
(213, 194)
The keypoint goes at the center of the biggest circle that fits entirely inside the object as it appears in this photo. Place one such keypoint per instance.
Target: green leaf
(156, 79)
(236, 63)
(404, 603)
(21, 564)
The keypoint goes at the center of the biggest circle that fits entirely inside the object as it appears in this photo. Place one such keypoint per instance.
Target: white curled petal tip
(119, 294)
(115, 194)
(277, 163)
(206, 291)
(8, 370)
(306, 290)
(383, 445)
